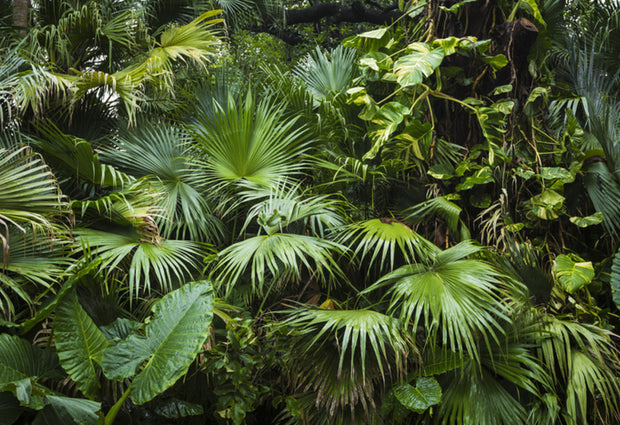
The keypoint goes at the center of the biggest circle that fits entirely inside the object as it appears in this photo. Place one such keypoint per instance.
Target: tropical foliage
(414, 224)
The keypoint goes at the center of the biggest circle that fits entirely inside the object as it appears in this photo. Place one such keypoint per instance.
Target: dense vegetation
(408, 223)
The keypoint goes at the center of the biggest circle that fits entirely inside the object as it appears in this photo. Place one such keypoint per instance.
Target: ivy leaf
(411, 69)
(556, 173)
(573, 275)
(425, 394)
(456, 6)
(589, 220)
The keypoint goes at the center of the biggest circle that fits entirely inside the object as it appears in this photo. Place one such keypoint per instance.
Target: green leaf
(615, 279)
(559, 173)
(422, 62)
(9, 409)
(121, 328)
(386, 121)
(66, 410)
(20, 360)
(173, 408)
(573, 275)
(546, 205)
(507, 88)
(456, 6)
(173, 338)
(425, 394)
(375, 34)
(497, 62)
(79, 343)
(590, 220)
(536, 101)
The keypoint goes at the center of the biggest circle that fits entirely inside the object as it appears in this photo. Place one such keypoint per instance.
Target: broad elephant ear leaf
(173, 339)
(425, 394)
(67, 410)
(21, 360)
(79, 343)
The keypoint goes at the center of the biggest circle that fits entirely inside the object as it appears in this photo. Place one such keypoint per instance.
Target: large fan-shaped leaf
(343, 356)
(280, 256)
(251, 141)
(79, 343)
(388, 242)
(29, 194)
(160, 150)
(169, 261)
(325, 76)
(454, 298)
(173, 338)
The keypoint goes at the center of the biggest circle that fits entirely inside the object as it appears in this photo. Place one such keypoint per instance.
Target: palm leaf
(341, 356)
(160, 151)
(453, 298)
(615, 279)
(473, 396)
(327, 75)
(29, 194)
(173, 339)
(387, 241)
(278, 259)
(126, 256)
(249, 141)
(282, 208)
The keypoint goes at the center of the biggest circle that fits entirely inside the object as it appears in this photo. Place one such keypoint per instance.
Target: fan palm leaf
(278, 259)
(327, 75)
(168, 263)
(30, 264)
(158, 151)
(29, 193)
(455, 299)
(282, 208)
(387, 241)
(249, 141)
(582, 360)
(342, 357)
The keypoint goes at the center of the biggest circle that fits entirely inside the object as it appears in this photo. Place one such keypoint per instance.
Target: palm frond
(442, 207)
(158, 151)
(29, 193)
(604, 190)
(388, 242)
(283, 208)
(327, 75)
(278, 260)
(249, 141)
(127, 257)
(342, 357)
(456, 300)
(30, 264)
(476, 397)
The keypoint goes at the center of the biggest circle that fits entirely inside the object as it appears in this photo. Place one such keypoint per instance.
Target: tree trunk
(20, 15)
